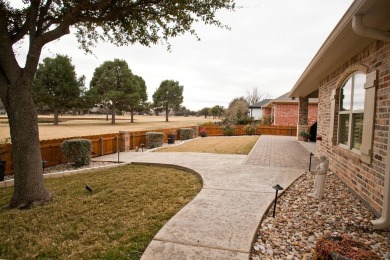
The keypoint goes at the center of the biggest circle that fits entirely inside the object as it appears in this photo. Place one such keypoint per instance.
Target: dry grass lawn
(221, 145)
(96, 124)
(117, 221)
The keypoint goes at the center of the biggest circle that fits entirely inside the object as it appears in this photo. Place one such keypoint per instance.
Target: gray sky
(269, 46)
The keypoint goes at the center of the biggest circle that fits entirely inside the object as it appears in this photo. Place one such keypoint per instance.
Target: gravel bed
(302, 220)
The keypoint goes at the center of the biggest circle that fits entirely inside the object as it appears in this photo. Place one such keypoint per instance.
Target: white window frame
(349, 112)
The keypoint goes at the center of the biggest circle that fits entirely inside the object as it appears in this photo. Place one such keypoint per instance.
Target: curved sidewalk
(222, 220)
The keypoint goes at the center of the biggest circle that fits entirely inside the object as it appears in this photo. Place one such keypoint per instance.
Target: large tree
(255, 95)
(216, 111)
(138, 104)
(205, 112)
(168, 96)
(237, 112)
(56, 84)
(114, 86)
(39, 22)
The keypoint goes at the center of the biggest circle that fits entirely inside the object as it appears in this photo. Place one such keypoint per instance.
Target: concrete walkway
(222, 220)
(282, 151)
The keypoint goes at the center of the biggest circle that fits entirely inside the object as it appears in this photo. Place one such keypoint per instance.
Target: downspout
(384, 221)
(360, 29)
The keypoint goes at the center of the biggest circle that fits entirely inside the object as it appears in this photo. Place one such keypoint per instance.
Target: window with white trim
(351, 112)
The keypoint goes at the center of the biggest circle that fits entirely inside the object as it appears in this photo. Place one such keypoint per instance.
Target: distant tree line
(113, 89)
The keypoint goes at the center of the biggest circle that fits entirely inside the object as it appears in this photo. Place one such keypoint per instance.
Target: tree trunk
(56, 112)
(106, 113)
(166, 113)
(29, 188)
(113, 115)
(132, 116)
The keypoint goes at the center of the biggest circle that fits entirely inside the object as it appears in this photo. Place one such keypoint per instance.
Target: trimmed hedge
(186, 133)
(77, 151)
(154, 139)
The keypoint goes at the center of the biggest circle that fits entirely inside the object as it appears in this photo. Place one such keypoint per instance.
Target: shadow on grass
(127, 208)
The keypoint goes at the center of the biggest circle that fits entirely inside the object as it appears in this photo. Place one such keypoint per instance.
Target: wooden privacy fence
(110, 143)
(101, 145)
(260, 130)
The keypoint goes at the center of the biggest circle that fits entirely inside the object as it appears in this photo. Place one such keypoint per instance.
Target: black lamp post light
(277, 187)
(311, 154)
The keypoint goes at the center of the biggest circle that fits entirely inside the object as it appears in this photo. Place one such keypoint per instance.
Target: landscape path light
(311, 154)
(43, 166)
(277, 187)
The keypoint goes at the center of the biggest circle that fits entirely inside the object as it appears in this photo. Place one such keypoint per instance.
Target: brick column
(124, 141)
(302, 115)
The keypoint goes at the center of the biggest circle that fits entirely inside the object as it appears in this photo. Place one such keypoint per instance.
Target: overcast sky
(269, 46)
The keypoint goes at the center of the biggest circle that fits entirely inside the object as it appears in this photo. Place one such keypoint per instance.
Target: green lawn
(117, 221)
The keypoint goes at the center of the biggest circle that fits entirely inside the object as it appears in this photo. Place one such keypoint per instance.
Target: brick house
(350, 75)
(284, 110)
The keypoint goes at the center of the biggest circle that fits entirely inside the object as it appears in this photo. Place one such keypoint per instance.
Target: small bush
(244, 120)
(154, 139)
(77, 151)
(186, 133)
(227, 130)
(250, 129)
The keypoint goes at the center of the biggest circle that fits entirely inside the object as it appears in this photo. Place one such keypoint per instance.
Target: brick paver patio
(280, 151)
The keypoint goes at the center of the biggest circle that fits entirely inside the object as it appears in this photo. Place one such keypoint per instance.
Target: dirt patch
(220, 145)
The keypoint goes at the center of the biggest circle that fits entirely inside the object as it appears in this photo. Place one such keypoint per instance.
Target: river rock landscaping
(301, 221)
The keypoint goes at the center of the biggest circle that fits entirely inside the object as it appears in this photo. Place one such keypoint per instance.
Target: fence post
(101, 146)
(125, 141)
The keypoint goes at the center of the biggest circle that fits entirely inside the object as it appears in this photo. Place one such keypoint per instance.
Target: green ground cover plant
(127, 207)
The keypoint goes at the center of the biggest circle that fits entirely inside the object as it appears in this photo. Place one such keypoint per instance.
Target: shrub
(244, 120)
(227, 130)
(77, 151)
(266, 120)
(250, 129)
(186, 133)
(154, 139)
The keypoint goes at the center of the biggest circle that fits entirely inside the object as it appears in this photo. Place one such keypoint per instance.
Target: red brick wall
(287, 114)
(366, 180)
(266, 111)
(312, 116)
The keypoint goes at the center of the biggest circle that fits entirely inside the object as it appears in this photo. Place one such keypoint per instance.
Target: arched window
(351, 111)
